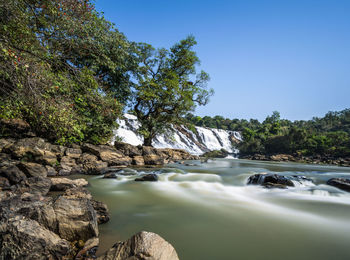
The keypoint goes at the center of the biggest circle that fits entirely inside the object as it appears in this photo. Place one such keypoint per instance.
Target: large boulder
(62, 184)
(128, 149)
(270, 180)
(153, 159)
(143, 245)
(107, 154)
(76, 219)
(27, 239)
(340, 183)
(91, 165)
(33, 169)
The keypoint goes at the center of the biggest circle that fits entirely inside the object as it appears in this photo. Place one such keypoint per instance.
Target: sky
(291, 56)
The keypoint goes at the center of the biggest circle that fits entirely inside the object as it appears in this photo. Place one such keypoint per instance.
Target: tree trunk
(147, 141)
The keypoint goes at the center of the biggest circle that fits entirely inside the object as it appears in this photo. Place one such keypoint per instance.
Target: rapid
(207, 210)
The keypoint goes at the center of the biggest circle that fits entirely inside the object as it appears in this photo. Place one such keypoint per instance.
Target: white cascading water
(206, 139)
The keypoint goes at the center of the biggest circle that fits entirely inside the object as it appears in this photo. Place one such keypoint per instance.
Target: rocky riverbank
(44, 215)
(317, 159)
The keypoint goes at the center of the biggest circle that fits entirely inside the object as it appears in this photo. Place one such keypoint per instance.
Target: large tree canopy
(166, 87)
(63, 68)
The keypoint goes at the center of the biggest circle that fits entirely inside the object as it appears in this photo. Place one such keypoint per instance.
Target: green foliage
(63, 68)
(167, 87)
(328, 136)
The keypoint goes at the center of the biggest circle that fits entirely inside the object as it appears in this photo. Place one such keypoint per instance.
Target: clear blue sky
(292, 56)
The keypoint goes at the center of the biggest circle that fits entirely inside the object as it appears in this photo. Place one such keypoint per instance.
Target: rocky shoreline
(317, 159)
(44, 215)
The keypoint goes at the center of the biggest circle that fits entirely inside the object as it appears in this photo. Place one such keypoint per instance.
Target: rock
(67, 163)
(340, 183)
(216, 154)
(64, 172)
(128, 149)
(50, 171)
(4, 183)
(76, 219)
(148, 150)
(143, 245)
(6, 142)
(12, 173)
(27, 239)
(32, 169)
(101, 211)
(110, 175)
(89, 249)
(270, 180)
(35, 185)
(73, 152)
(153, 160)
(107, 154)
(77, 193)
(138, 160)
(91, 165)
(62, 184)
(4, 157)
(148, 177)
(31, 149)
(35, 207)
(281, 157)
(16, 128)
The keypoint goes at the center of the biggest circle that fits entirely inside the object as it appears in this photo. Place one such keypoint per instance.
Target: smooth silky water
(206, 211)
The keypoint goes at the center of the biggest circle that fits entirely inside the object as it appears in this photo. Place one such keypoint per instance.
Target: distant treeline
(326, 136)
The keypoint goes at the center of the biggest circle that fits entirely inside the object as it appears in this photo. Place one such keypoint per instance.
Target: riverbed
(207, 212)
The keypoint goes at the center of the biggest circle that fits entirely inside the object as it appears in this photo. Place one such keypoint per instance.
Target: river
(207, 212)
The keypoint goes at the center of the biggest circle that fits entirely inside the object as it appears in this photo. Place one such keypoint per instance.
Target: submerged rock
(148, 177)
(110, 175)
(143, 245)
(270, 180)
(341, 183)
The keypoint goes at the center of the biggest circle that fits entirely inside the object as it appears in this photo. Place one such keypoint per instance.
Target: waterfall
(204, 140)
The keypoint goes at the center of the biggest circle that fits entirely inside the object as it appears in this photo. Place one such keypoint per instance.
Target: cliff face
(203, 140)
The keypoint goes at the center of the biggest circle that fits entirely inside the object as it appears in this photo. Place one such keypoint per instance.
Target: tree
(63, 69)
(167, 87)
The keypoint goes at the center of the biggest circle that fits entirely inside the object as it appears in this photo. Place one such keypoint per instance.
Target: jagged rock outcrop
(143, 245)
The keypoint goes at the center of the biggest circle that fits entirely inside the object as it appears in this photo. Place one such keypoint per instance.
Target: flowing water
(204, 140)
(206, 211)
